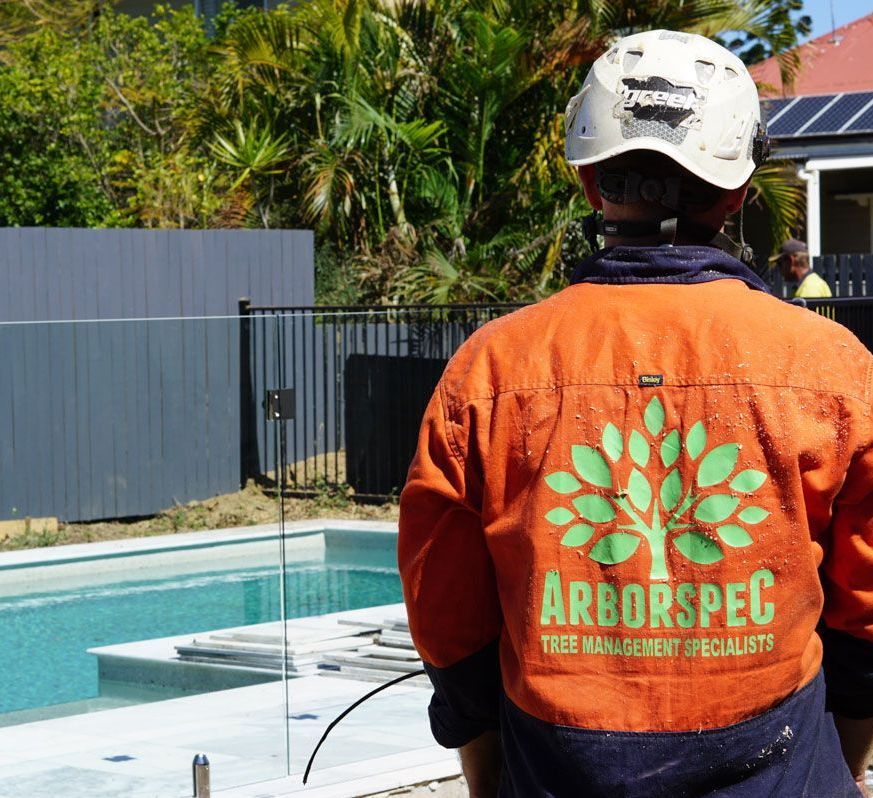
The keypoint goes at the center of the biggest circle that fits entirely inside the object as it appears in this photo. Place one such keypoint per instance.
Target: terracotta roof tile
(836, 62)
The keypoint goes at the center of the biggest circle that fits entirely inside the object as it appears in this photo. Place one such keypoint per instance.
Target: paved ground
(146, 751)
(447, 788)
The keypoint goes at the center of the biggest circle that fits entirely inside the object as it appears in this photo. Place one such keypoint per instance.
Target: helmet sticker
(656, 99)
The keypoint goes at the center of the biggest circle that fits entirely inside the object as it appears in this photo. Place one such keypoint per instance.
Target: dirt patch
(247, 507)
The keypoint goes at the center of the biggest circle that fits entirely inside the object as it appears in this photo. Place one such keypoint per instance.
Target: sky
(844, 11)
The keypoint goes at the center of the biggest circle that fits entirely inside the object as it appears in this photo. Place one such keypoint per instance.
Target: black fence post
(248, 430)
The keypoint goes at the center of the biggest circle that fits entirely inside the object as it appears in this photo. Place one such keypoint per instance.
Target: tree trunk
(657, 538)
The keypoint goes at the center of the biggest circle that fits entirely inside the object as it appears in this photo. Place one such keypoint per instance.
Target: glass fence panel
(357, 382)
(346, 635)
(140, 578)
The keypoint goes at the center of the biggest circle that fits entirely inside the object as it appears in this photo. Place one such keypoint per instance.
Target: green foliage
(94, 123)
(422, 140)
(334, 282)
(331, 496)
(776, 187)
(785, 23)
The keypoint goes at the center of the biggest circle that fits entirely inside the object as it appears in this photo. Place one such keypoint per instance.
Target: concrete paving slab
(144, 751)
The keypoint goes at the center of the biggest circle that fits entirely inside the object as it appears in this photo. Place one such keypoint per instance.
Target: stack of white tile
(391, 655)
(353, 647)
(263, 651)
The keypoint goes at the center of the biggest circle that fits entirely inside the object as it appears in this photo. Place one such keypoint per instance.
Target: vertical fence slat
(843, 276)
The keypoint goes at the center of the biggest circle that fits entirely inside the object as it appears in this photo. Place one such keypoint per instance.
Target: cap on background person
(793, 247)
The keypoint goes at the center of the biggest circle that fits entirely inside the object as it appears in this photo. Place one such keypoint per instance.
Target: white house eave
(830, 164)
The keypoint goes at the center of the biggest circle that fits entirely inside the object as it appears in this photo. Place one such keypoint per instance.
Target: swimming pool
(45, 634)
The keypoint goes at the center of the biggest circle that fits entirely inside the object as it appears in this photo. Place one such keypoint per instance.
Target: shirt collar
(664, 264)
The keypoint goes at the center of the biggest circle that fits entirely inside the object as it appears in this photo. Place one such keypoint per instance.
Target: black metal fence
(361, 378)
(856, 313)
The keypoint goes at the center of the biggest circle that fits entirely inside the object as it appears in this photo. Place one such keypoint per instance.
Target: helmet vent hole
(631, 59)
(611, 55)
(705, 71)
(730, 74)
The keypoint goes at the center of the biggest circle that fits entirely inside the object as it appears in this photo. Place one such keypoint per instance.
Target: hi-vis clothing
(812, 287)
(631, 507)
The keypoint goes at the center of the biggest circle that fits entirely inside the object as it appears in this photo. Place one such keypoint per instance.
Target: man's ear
(589, 184)
(736, 197)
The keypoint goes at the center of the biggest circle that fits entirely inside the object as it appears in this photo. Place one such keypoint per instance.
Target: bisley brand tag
(650, 380)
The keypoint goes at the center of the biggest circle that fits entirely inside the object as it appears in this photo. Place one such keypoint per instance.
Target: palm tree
(257, 154)
(422, 138)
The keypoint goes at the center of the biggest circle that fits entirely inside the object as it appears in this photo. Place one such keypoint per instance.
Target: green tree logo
(655, 515)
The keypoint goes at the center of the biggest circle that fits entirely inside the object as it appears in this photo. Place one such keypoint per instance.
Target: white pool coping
(182, 541)
(82, 564)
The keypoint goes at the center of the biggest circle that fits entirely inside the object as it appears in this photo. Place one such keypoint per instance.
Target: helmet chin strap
(665, 232)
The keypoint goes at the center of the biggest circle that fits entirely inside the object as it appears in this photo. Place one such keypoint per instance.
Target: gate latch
(280, 404)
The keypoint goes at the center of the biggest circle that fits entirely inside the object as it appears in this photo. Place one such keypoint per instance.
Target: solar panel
(769, 108)
(839, 113)
(863, 122)
(798, 115)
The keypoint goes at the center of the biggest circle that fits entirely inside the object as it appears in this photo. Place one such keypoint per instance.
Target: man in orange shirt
(631, 535)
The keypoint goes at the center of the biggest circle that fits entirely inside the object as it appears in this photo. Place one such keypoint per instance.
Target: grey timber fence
(50, 274)
(112, 419)
(108, 419)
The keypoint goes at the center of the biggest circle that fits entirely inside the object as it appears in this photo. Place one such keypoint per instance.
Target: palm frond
(251, 149)
(776, 187)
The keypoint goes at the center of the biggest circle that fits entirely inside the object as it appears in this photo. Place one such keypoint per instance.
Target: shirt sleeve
(847, 629)
(448, 580)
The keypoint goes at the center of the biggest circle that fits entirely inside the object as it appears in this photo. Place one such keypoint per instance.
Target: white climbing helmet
(679, 94)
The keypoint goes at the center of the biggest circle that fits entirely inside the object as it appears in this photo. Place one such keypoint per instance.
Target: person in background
(640, 515)
(794, 265)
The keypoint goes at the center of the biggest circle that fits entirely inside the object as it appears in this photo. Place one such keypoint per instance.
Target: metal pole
(200, 768)
(248, 425)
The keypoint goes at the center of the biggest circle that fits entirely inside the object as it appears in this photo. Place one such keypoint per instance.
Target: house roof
(836, 62)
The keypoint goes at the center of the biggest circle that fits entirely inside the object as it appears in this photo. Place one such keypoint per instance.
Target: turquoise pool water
(44, 636)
